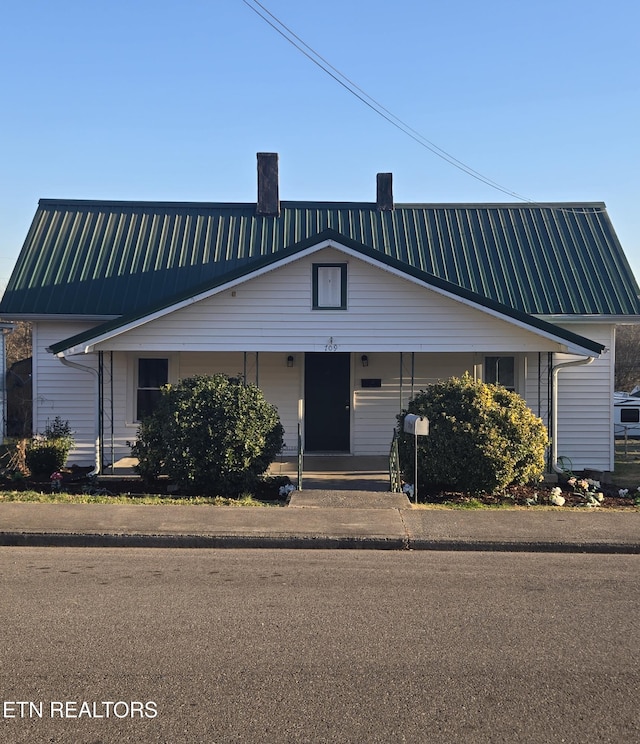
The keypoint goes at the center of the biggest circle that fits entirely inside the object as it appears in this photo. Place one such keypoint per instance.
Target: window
(152, 375)
(329, 286)
(500, 370)
(629, 415)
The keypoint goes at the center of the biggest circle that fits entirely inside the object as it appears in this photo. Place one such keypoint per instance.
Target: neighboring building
(5, 328)
(338, 311)
(19, 399)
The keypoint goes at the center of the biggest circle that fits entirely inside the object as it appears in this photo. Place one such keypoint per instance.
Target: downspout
(554, 414)
(94, 372)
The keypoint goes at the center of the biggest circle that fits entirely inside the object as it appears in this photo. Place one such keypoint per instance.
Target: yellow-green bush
(481, 438)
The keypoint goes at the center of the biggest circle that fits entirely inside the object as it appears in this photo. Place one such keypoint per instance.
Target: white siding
(64, 392)
(274, 312)
(585, 403)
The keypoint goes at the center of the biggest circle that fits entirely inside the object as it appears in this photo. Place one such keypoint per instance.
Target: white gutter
(554, 417)
(93, 372)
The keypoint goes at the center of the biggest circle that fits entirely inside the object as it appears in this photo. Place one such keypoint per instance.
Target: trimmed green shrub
(48, 453)
(212, 435)
(481, 438)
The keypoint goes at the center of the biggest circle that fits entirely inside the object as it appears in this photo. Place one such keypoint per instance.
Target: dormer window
(330, 286)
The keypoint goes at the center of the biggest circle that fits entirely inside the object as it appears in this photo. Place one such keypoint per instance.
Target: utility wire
(371, 102)
(352, 88)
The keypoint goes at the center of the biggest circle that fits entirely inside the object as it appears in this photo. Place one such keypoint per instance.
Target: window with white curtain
(329, 286)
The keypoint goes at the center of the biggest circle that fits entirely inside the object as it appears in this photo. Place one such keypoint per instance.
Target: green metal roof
(96, 258)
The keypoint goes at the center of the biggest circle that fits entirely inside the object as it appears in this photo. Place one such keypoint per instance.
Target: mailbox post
(419, 427)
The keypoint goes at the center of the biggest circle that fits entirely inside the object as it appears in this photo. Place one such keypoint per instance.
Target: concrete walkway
(320, 518)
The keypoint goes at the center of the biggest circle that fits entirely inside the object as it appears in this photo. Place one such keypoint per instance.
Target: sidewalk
(320, 519)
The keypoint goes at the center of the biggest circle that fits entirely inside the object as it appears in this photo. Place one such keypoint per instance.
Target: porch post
(413, 373)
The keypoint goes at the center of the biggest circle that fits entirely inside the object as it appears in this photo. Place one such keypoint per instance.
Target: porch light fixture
(290, 360)
(365, 360)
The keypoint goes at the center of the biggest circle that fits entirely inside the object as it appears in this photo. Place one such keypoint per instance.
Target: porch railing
(395, 477)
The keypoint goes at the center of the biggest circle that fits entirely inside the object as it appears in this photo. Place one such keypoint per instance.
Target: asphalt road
(119, 645)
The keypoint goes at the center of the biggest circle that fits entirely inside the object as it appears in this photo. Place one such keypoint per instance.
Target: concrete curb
(90, 540)
(525, 547)
(320, 542)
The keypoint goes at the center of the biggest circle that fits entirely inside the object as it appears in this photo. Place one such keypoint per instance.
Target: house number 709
(331, 347)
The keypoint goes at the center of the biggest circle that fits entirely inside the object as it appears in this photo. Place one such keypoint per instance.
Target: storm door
(327, 398)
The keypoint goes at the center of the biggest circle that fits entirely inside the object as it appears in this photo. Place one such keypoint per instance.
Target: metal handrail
(395, 477)
(300, 458)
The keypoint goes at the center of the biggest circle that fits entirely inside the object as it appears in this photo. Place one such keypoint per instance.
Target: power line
(351, 87)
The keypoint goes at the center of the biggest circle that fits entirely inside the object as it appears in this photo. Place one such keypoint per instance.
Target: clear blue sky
(158, 100)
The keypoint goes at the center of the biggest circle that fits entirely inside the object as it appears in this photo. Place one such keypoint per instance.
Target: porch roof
(106, 259)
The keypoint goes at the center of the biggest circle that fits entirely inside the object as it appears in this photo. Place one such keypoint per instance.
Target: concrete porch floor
(328, 472)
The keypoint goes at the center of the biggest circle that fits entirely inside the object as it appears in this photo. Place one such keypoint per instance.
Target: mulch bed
(518, 495)
(114, 486)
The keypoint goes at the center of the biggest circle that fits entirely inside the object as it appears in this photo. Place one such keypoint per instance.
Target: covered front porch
(334, 402)
(328, 472)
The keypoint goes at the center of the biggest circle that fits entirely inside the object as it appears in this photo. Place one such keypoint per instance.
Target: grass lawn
(70, 498)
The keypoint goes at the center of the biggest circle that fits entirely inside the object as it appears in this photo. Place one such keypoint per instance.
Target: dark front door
(327, 402)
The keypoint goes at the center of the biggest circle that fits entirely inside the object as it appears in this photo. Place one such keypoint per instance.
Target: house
(338, 311)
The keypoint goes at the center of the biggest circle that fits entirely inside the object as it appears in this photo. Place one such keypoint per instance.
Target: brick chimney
(268, 190)
(384, 195)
